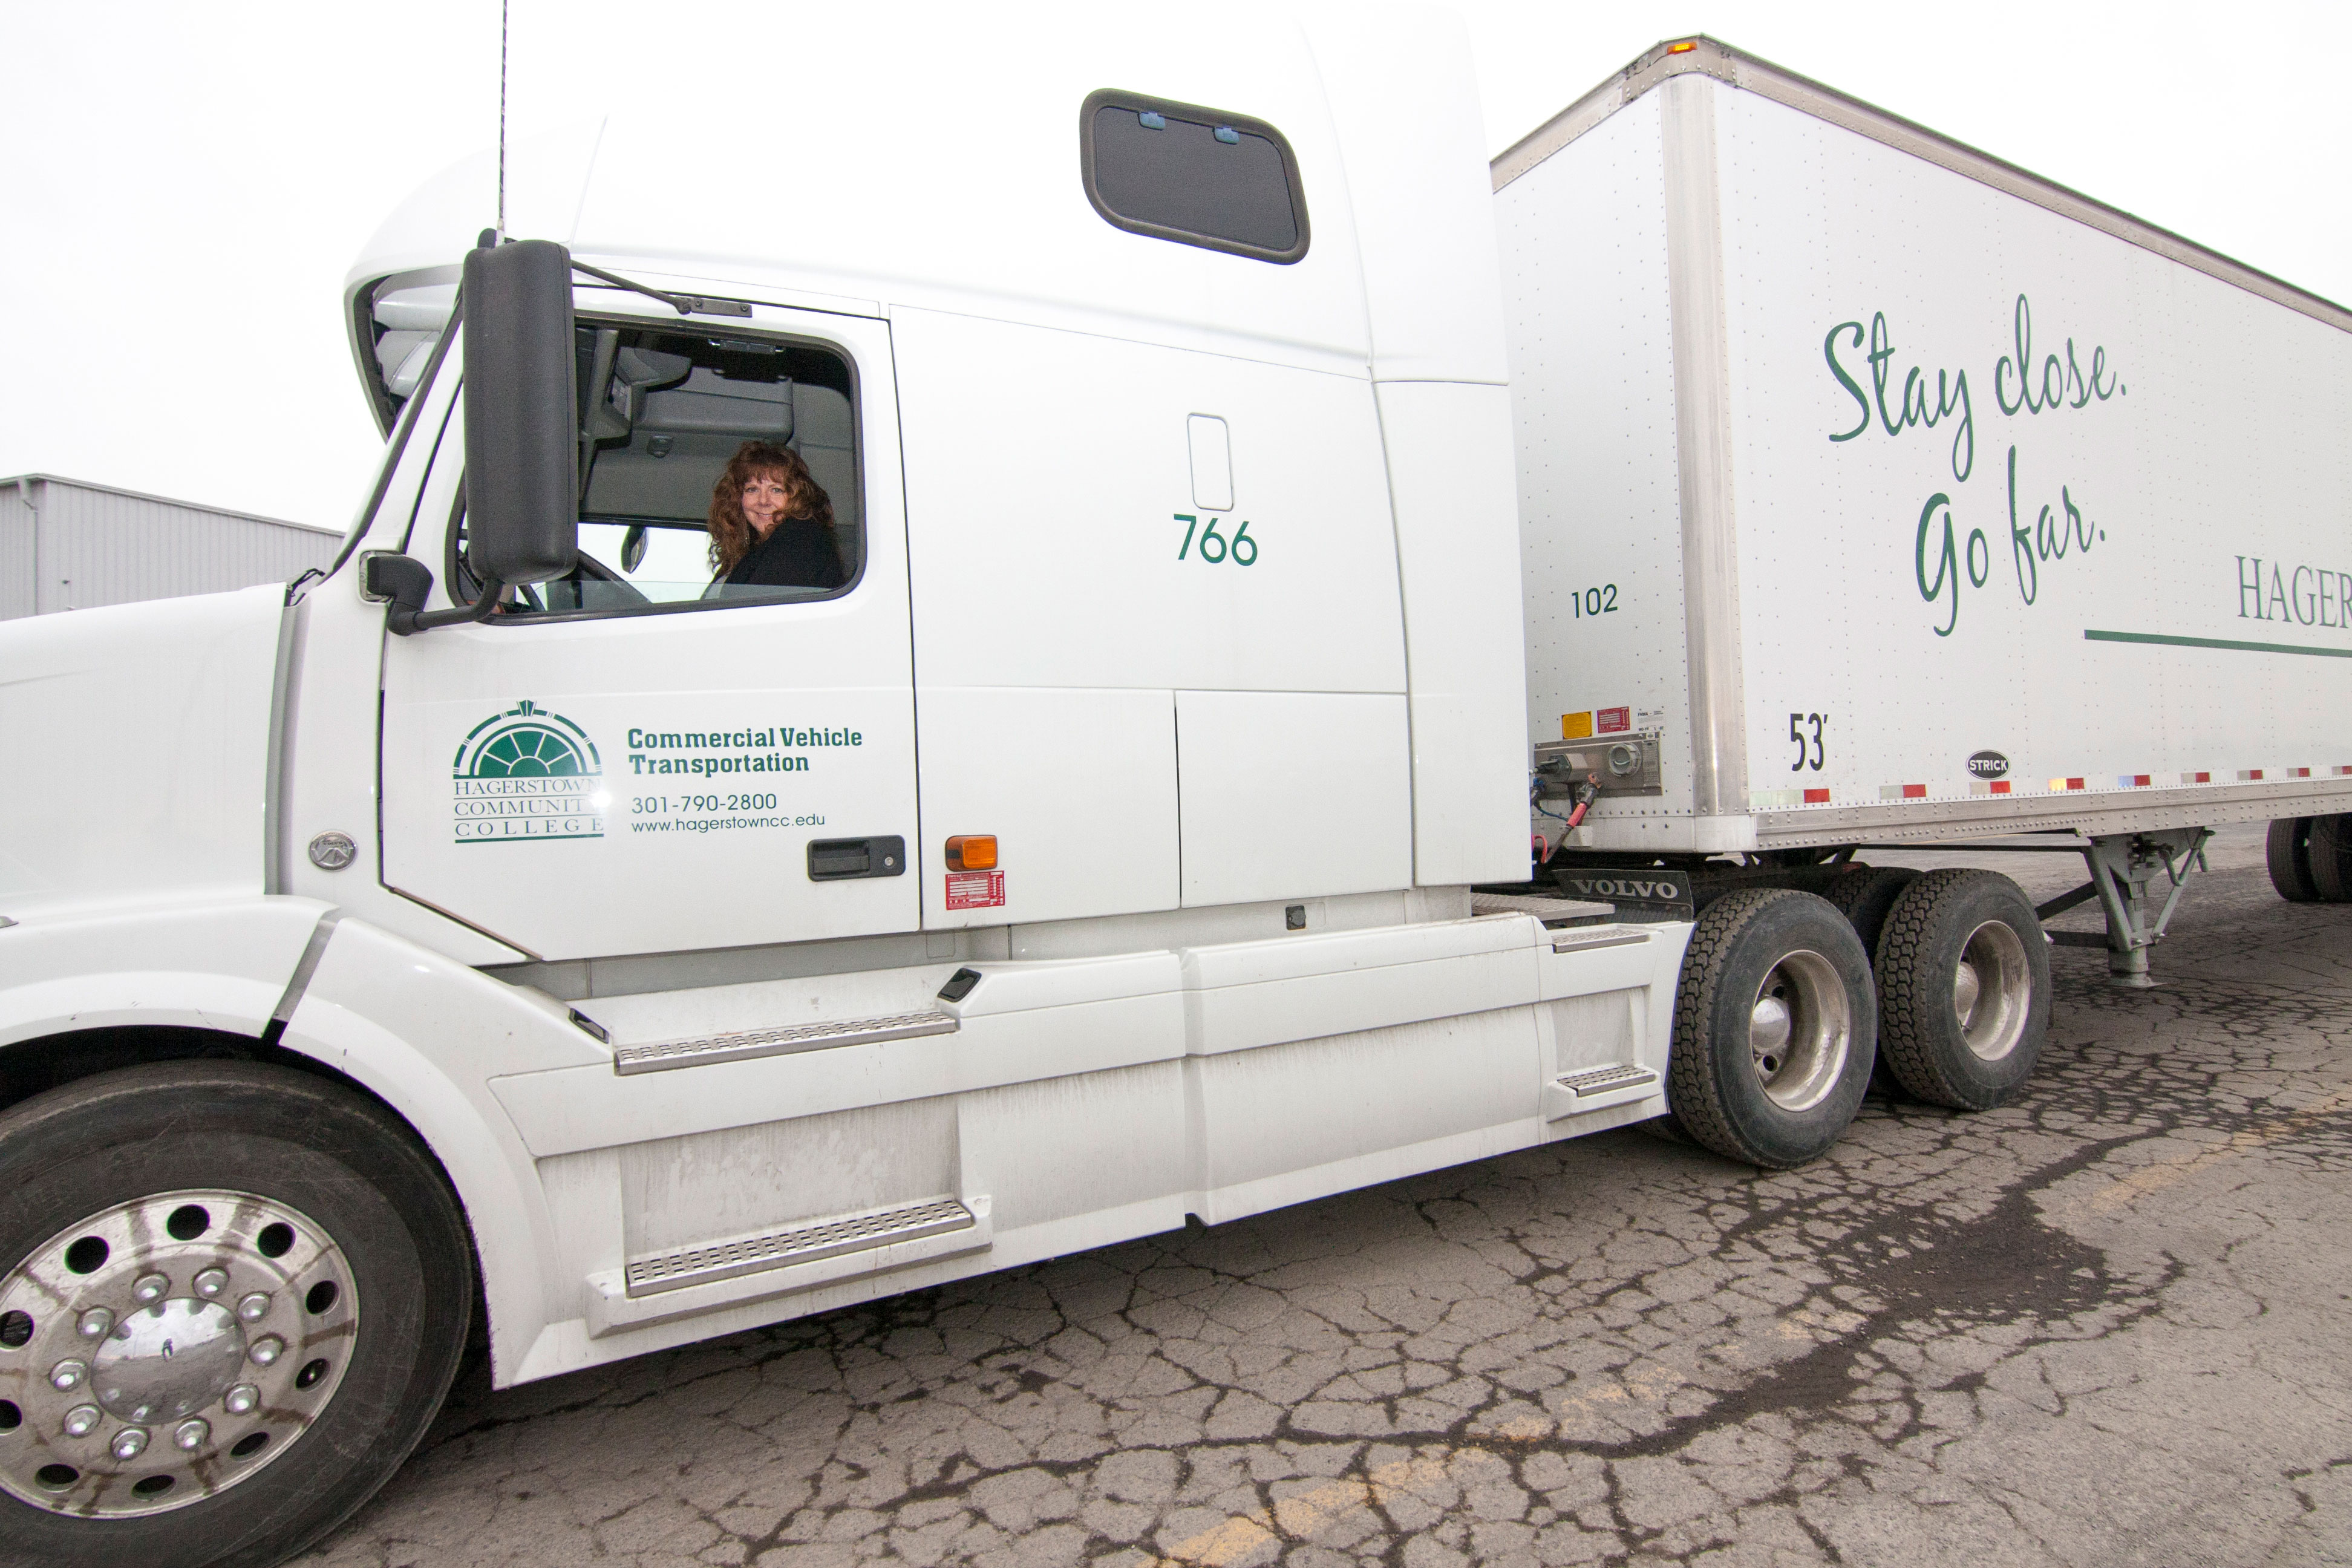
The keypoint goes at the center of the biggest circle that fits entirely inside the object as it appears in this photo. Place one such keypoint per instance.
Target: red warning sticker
(1612, 720)
(976, 889)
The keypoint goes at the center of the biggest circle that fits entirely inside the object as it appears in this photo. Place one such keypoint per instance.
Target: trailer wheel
(234, 1297)
(1963, 989)
(2289, 852)
(1774, 1022)
(2330, 858)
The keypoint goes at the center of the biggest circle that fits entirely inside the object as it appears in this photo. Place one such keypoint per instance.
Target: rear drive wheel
(2330, 857)
(1963, 989)
(1774, 1022)
(1865, 895)
(2289, 852)
(234, 1297)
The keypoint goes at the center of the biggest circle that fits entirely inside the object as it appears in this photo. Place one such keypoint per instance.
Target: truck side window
(1194, 175)
(400, 322)
(662, 412)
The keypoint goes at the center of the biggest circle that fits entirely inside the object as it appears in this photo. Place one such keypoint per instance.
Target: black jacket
(796, 554)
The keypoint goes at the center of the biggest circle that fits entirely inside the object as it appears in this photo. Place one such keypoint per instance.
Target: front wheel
(234, 1296)
(1775, 1025)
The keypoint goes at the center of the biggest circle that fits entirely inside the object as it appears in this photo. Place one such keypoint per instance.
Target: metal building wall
(67, 545)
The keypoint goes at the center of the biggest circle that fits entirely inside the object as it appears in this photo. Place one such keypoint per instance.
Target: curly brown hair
(730, 531)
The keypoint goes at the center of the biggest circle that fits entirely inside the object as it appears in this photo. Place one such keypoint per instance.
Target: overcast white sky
(183, 187)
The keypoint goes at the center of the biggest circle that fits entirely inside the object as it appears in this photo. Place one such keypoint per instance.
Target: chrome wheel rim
(1992, 991)
(1800, 1030)
(163, 1350)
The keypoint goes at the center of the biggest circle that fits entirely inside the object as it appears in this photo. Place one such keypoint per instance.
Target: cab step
(804, 1243)
(743, 1044)
(1597, 1088)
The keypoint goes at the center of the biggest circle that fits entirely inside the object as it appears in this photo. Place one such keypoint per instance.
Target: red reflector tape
(2000, 786)
(2298, 773)
(1915, 792)
(2074, 783)
(2248, 775)
(1817, 797)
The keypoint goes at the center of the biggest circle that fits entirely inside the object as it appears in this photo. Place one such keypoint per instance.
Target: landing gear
(233, 1297)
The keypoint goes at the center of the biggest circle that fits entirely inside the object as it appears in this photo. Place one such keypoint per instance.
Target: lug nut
(189, 1436)
(150, 1288)
(242, 1399)
(130, 1442)
(253, 1309)
(212, 1282)
(82, 1420)
(95, 1322)
(267, 1349)
(67, 1375)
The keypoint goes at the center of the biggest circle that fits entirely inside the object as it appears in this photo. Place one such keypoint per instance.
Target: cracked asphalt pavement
(2102, 1325)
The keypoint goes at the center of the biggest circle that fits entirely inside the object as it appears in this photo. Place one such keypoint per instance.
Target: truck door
(637, 759)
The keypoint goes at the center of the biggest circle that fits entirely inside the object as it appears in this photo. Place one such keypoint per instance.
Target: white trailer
(1920, 500)
(509, 932)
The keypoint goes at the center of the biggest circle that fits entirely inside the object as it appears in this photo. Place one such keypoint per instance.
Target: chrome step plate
(661, 1056)
(1594, 1079)
(1597, 1088)
(794, 1244)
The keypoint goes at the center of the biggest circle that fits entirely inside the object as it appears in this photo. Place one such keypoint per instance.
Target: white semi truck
(1253, 513)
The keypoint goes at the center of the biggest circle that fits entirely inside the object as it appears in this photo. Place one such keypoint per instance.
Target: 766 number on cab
(1214, 547)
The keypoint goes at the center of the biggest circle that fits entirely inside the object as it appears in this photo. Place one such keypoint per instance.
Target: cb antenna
(503, 6)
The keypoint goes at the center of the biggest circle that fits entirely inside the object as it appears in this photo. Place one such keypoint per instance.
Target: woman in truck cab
(771, 524)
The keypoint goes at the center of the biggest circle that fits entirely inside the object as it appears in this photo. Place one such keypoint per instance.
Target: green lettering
(1829, 352)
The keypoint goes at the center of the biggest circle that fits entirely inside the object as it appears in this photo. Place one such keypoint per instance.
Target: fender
(220, 963)
(426, 1034)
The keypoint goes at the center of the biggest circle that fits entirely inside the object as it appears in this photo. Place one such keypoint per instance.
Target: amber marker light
(1685, 47)
(972, 852)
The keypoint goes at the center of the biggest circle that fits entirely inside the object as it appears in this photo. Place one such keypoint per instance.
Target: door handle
(839, 859)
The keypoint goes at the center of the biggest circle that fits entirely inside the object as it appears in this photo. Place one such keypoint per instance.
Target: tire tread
(2287, 850)
(1907, 988)
(2329, 857)
(1692, 1092)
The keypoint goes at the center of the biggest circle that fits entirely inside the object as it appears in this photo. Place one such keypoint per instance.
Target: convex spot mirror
(522, 510)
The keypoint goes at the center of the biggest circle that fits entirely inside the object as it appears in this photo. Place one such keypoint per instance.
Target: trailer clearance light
(1685, 47)
(972, 852)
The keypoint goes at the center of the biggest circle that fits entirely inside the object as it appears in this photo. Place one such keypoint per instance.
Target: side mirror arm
(402, 581)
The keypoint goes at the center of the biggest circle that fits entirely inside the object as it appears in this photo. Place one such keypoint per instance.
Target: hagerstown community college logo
(527, 773)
